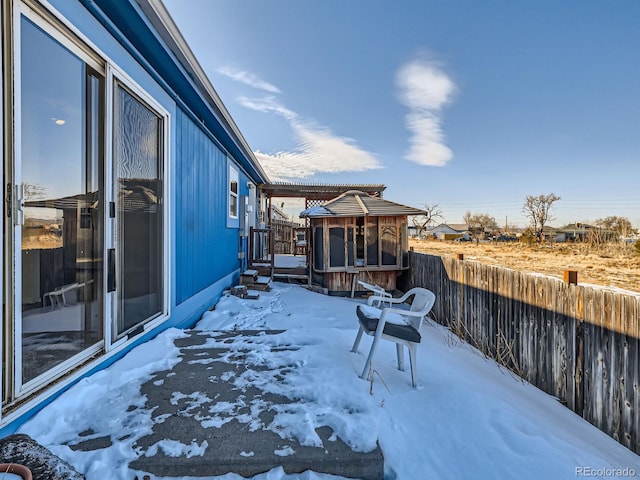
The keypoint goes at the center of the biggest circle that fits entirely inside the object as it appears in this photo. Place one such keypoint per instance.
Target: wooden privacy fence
(578, 343)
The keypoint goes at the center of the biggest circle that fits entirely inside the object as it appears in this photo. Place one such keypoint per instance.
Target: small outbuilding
(357, 236)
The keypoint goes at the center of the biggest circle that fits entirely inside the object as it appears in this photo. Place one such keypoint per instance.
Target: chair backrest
(423, 301)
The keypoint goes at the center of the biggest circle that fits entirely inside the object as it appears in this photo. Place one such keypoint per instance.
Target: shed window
(404, 242)
(372, 241)
(350, 246)
(389, 244)
(233, 192)
(318, 248)
(336, 247)
(360, 242)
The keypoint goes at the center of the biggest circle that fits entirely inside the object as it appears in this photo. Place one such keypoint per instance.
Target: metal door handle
(19, 204)
(111, 270)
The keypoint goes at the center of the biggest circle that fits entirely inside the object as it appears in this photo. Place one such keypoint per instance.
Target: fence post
(571, 276)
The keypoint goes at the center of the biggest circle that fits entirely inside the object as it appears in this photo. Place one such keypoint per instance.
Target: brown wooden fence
(579, 343)
(283, 235)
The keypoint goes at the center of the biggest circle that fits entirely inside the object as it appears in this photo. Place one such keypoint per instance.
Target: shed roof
(355, 203)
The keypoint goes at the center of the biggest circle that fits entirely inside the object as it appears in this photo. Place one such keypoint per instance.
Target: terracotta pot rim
(16, 468)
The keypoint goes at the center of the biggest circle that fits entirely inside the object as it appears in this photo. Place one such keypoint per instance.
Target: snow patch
(284, 451)
(173, 448)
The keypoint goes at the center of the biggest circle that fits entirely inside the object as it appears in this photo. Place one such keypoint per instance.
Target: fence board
(578, 343)
(588, 361)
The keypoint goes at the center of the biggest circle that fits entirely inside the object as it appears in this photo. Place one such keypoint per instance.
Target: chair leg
(400, 354)
(356, 344)
(414, 364)
(367, 364)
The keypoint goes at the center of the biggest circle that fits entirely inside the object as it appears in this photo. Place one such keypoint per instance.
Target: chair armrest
(404, 313)
(387, 299)
(404, 297)
(374, 298)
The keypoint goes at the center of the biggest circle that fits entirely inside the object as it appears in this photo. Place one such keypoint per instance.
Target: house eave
(146, 28)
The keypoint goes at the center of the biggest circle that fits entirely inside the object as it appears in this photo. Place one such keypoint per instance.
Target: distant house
(582, 232)
(552, 234)
(129, 190)
(450, 231)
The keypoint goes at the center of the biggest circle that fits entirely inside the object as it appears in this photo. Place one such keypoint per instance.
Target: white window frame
(233, 176)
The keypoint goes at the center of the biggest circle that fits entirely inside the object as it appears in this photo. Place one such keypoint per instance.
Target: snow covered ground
(468, 418)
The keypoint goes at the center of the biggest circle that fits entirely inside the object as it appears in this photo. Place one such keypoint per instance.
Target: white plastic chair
(395, 324)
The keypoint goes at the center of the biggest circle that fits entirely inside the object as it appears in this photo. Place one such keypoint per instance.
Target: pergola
(316, 194)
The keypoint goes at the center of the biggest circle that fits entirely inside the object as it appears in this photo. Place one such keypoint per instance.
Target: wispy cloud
(317, 150)
(425, 89)
(268, 105)
(248, 79)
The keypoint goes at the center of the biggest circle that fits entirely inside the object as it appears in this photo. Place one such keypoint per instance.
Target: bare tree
(538, 210)
(479, 223)
(620, 225)
(431, 213)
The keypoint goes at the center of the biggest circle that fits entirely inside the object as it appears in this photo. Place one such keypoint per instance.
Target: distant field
(614, 265)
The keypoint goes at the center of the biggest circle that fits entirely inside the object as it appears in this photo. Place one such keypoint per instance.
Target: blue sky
(469, 104)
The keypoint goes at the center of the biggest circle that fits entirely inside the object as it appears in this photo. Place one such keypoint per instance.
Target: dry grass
(611, 264)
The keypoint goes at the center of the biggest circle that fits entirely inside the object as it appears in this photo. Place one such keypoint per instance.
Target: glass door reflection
(138, 158)
(61, 183)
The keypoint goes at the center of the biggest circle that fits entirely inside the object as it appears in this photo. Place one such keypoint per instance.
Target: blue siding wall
(206, 250)
(203, 249)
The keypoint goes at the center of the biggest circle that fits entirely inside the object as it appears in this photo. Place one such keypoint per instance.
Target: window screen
(138, 154)
(318, 248)
(336, 247)
(372, 241)
(350, 246)
(389, 240)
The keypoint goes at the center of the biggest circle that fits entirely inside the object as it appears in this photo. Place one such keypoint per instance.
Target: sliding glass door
(59, 234)
(138, 159)
(86, 198)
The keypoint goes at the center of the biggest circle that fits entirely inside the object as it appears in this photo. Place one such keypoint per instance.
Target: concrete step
(231, 446)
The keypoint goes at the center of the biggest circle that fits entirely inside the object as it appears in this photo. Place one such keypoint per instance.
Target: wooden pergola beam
(318, 191)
